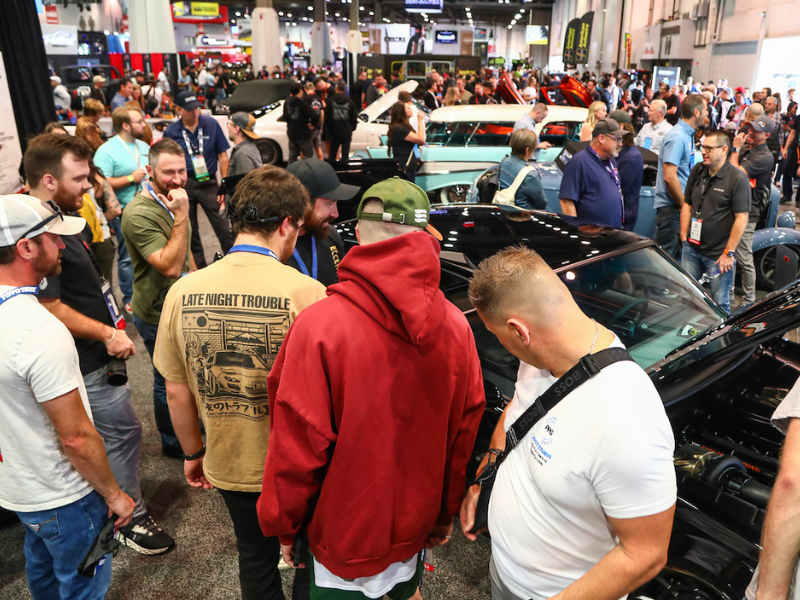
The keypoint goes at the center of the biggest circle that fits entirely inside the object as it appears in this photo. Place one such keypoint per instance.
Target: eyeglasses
(57, 214)
(710, 148)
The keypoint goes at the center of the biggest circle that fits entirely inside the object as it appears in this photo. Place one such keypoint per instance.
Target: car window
(645, 299)
(415, 68)
(442, 67)
(234, 359)
(469, 134)
(559, 133)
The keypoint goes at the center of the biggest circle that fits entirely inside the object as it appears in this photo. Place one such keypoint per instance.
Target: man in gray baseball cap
(25, 217)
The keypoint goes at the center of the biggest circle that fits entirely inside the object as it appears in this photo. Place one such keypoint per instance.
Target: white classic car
(373, 122)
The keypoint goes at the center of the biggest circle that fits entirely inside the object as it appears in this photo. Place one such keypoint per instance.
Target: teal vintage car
(464, 141)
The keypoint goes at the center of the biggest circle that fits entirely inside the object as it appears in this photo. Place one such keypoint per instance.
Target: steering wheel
(617, 316)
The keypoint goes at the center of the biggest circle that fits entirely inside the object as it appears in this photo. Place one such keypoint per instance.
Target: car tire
(765, 267)
(453, 194)
(213, 386)
(270, 151)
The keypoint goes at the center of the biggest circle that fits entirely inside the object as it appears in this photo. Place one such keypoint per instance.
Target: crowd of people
(263, 359)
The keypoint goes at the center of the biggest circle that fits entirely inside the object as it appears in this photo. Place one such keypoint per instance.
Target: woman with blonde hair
(451, 97)
(137, 96)
(87, 128)
(597, 112)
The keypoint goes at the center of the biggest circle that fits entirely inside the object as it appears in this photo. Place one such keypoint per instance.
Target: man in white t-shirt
(651, 135)
(53, 469)
(584, 507)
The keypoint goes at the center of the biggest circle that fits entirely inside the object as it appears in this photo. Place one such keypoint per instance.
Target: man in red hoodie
(374, 400)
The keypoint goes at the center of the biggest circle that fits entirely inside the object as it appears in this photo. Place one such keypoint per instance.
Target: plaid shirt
(782, 135)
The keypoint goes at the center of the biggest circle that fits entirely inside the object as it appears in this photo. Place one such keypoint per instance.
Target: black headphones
(249, 215)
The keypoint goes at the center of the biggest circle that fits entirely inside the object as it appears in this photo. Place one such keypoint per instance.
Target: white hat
(24, 216)
(55, 78)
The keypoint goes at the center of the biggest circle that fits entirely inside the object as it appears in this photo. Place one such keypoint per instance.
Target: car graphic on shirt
(238, 374)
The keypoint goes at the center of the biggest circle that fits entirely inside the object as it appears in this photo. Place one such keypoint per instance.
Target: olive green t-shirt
(221, 329)
(146, 226)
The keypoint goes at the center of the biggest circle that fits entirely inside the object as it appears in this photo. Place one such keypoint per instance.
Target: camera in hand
(116, 372)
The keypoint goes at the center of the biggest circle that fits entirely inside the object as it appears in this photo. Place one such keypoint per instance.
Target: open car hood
(377, 108)
(718, 351)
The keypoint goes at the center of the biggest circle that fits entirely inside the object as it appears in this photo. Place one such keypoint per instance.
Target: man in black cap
(752, 155)
(205, 148)
(591, 188)
(319, 246)
(245, 156)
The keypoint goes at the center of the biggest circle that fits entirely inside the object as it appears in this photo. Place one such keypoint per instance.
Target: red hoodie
(375, 400)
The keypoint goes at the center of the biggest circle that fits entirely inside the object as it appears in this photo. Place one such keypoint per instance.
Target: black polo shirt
(79, 287)
(716, 200)
(758, 163)
(329, 253)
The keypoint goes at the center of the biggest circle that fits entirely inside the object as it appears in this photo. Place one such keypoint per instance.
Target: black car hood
(721, 349)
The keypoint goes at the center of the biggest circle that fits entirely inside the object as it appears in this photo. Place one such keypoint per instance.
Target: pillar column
(150, 27)
(266, 49)
(321, 50)
(353, 43)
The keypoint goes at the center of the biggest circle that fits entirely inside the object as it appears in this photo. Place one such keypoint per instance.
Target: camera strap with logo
(586, 368)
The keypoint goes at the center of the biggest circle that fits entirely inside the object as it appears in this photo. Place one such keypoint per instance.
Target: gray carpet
(203, 564)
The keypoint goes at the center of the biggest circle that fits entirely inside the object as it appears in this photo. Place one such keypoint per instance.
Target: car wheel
(270, 151)
(765, 267)
(213, 386)
(680, 584)
(453, 194)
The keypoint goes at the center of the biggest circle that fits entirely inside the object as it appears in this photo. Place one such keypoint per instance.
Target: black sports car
(720, 377)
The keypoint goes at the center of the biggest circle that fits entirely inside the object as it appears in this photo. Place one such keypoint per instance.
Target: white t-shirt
(654, 133)
(38, 362)
(376, 586)
(606, 449)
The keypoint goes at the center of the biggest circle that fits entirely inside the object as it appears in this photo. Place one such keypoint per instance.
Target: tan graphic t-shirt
(221, 329)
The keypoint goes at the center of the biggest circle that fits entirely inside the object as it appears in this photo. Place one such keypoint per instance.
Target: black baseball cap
(321, 180)
(187, 100)
(763, 124)
(607, 127)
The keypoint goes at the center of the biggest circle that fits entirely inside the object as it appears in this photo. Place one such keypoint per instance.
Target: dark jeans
(668, 229)
(336, 143)
(124, 265)
(258, 555)
(789, 171)
(148, 332)
(295, 148)
(205, 195)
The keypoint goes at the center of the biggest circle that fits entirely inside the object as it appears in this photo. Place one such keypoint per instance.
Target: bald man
(585, 508)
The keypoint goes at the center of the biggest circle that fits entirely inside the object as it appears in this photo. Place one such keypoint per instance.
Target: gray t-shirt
(244, 158)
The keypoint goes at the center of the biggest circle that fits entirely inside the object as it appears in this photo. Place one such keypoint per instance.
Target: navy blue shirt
(631, 171)
(590, 185)
(214, 142)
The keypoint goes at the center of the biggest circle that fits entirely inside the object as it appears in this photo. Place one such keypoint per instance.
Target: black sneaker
(143, 535)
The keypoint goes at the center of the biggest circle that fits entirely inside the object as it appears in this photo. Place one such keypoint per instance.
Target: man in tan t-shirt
(220, 332)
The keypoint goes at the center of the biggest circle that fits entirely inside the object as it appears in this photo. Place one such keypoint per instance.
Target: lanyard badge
(111, 305)
(196, 154)
(29, 289)
(695, 230)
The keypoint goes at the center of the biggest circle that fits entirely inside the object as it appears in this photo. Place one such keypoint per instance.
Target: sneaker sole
(141, 550)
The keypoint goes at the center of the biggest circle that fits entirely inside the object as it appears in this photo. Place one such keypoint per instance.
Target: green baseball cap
(403, 202)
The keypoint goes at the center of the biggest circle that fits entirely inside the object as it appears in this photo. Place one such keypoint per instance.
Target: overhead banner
(571, 41)
(584, 38)
(628, 50)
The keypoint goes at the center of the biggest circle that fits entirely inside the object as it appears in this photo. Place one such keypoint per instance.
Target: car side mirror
(363, 118)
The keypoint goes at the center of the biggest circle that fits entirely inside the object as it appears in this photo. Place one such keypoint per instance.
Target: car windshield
(470, 133)
(234, 359)
(647, 301)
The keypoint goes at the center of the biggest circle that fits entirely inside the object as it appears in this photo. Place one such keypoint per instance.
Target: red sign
(124, 27)
(51, 11)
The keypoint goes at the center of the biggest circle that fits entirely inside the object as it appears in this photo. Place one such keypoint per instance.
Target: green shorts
(402, 591)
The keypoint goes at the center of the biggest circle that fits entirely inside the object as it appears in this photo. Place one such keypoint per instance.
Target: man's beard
(66, 201)
(162, 188)
(41, 266)
(316, 227)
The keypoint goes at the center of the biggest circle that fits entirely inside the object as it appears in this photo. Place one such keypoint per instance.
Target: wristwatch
(130, 178)
(734, 149)
(731, 253)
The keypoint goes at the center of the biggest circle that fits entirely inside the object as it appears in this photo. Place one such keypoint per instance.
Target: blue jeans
(697, 264)
(56, 541)
(668, 229)
(124, 265)
(117, 423)
(148, 331)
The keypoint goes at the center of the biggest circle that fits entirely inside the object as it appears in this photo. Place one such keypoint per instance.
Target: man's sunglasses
(57, 214)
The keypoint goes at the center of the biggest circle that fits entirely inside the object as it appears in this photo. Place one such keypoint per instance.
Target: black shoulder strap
(586, 368)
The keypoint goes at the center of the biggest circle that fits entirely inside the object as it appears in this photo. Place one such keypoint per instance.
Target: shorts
(316, 138)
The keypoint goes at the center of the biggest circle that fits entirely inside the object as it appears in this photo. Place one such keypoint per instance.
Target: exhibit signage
(571, 42)
(424, 6)
(10, 149)
(584, 38)
(536, 35)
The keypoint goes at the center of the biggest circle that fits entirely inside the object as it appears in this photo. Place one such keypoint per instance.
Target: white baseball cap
(24, 216)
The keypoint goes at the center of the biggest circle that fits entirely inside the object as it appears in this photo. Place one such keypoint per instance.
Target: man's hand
(738, 141)
(784, 153)
(467, 513)
(544, 145)
(122, 505)
(439, 535)
(288, 556)
(177, 201)
(193, 470)
(121, 346)
(725, 263)
(138, 175)
(221, 200)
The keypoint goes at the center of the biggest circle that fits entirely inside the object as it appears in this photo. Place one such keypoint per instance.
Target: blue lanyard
(254, 250)
(30, 289)
(302, 264)
(157, 199)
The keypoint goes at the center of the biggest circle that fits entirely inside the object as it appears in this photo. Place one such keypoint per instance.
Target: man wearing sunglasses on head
(714, 216)
(53, 471)
(57, 169)
(220, 332)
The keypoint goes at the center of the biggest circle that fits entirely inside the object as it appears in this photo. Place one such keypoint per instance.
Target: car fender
(772, 236)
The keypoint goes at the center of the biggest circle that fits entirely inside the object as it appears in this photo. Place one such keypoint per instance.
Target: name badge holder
(111, 305)
(648, 141)
(198, 160)
(695, 230)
